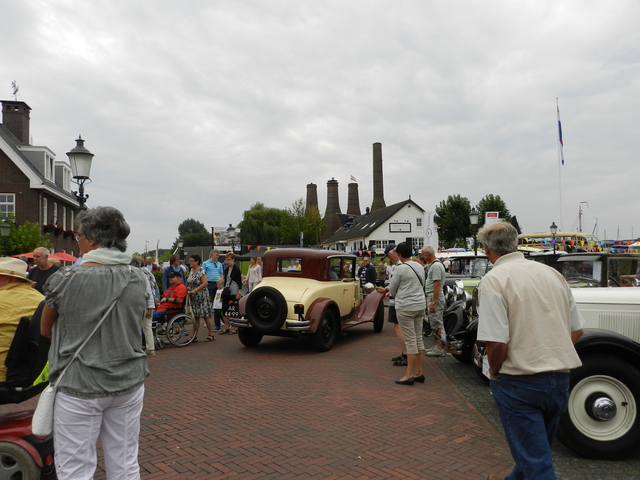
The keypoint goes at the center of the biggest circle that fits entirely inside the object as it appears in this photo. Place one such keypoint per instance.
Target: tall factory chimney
(378, 187)
(353, 201)
(331, 219)
(312, 196)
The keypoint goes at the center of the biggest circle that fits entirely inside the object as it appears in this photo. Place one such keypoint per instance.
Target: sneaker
(217, 329)
(434, 352)
(151, 353)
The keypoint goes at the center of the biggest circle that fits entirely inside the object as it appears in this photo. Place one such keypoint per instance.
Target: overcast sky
(199, 109)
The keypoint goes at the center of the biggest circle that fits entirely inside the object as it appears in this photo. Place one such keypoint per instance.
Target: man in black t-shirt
(43, 269)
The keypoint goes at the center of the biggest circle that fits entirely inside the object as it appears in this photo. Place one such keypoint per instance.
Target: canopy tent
(62, 256)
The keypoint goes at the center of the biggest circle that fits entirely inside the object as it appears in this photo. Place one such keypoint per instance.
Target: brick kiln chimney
(378, 187)
(353, 200)
(15, 116)
(331, 219)
(312, 196)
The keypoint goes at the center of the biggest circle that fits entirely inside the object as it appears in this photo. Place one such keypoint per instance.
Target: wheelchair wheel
(159, 343)
(181, 330)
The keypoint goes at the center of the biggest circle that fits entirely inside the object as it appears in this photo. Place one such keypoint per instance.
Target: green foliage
(452, 217)
(492, 203)
(260, 225)
(191, 226)
(25, 238)
(196, 239)
(158, 276)
(165, 256)
(300, 219)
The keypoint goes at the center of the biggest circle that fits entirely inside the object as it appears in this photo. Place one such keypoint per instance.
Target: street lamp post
(5, 231)
(80, 160)
(553, 229)
(231, 233)
(473, 219)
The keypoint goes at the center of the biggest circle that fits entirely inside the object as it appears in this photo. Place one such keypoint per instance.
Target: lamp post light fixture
(5, 231)
(80, 160)
(553, 229)
(473, 219)
(231, 233)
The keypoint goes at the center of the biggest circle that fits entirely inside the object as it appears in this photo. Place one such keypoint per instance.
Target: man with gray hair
(433, 289)
(43, 268)
(529, 319)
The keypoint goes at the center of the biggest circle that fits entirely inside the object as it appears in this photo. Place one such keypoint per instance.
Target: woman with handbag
(100, 387)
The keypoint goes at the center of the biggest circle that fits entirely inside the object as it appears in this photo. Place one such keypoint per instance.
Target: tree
(260, 225)
(298, 219)
(193, 233)
(491, 203)
(25, 238)
(452, 218)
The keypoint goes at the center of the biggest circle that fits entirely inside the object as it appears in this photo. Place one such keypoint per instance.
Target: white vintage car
(603, 420)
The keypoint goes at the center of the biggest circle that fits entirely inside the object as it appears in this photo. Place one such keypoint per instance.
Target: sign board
(491, 217)
(430, 230)
(400, 227)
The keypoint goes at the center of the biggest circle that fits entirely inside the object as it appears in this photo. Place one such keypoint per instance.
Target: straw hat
(12, 267)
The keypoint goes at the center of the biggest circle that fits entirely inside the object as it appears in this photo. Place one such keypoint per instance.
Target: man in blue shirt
(214, 271)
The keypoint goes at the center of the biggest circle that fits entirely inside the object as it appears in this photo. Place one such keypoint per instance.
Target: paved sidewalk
(220, 410)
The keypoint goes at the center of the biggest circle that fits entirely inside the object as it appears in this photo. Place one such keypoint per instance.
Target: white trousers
(148, 333)
(77, 423)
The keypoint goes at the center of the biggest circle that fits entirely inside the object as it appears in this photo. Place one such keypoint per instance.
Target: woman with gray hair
(102, 390)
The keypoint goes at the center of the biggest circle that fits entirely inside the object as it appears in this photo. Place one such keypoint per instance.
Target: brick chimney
(312, 196)
(331, 219)
(15, 116)
(353, 200)
(378, 187)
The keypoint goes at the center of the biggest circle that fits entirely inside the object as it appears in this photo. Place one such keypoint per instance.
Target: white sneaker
(434, 352)
(151, 353)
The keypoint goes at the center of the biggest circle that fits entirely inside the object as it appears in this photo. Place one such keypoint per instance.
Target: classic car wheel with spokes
(602, 420)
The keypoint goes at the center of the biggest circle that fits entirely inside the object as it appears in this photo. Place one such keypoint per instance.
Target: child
(217, 308)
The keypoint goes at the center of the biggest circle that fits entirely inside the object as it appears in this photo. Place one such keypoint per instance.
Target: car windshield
(481, 266)
(290, 265)
(582, 273)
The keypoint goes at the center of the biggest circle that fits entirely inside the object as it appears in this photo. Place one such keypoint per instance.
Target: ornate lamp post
(553, 229)
(80, 160)
(473, 219)
(231, 233)
(5, 231)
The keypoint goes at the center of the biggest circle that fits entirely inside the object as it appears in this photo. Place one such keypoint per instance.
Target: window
(45, 214)
(48, 167)
(54, 220)
(418, 242)
(293, 265)
(64, 218)
(418, 222)
(7, 204)
(73, 225)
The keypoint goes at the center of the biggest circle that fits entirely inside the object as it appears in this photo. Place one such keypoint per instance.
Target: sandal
(209, 338)
(222, 332)
(233, 331)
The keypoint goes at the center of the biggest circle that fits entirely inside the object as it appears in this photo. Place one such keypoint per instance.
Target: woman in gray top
(102, 391)
(407, 286)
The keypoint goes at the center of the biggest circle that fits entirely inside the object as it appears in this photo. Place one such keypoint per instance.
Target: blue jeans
(530, 407)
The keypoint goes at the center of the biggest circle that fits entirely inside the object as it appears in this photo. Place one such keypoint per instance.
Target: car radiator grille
(627, 324)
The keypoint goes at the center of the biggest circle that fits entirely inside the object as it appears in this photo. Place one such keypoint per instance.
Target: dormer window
(48, 167)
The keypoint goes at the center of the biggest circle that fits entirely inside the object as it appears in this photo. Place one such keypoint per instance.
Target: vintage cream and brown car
(307, 292)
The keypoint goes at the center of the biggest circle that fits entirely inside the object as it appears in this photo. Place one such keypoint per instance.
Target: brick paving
(220, 410)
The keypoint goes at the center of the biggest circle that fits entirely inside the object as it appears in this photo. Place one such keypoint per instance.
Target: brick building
(34, 186)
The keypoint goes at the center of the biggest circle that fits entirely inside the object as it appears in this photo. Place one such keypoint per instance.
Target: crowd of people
(94, 313)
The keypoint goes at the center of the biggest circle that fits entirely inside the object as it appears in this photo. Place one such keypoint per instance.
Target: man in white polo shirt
(529, 319)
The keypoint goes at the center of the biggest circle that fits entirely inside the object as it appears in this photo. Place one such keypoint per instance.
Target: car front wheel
(325, 336)
(602, 420)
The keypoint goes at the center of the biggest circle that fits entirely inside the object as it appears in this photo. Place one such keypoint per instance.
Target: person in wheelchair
(17, 299)
(172, 299)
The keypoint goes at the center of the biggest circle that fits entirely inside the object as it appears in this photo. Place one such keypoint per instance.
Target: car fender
(316, 310)
(605, 341)
(367, 309)
(241, 305)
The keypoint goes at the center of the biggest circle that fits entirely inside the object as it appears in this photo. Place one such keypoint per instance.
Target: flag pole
(560, 160)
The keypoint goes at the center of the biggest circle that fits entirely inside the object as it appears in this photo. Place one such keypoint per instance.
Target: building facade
(34, 186)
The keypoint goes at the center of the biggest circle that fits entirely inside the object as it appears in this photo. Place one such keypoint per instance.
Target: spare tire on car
(266, 309)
